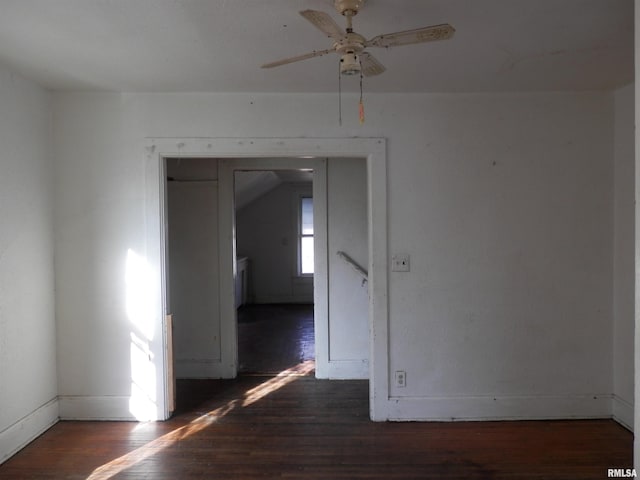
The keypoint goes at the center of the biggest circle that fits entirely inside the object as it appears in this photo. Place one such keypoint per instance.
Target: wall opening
(193, 268)
(274, 269)
(230, 153)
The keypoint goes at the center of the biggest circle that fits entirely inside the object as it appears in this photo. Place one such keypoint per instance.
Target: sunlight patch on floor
(283, 378)
(167, 440)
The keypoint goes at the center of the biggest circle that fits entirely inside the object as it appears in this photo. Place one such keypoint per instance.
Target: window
(305, 244)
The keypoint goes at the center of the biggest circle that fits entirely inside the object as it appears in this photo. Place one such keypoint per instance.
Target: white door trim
(227, 244)
(373, 149)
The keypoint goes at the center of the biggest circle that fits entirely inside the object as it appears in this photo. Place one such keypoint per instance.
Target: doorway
(291, 285)
(274, 269)
(227, 151)
(341, 299)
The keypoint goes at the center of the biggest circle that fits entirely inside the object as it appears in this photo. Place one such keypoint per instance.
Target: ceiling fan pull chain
(339, 96)
(361, 106)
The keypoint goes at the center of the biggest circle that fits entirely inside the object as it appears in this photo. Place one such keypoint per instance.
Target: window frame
(301, 235)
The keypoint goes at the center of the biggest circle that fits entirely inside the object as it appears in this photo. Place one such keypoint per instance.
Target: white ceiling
(219, 45)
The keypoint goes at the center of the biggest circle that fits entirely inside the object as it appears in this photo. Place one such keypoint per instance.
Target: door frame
(373, 149)
(227, 250)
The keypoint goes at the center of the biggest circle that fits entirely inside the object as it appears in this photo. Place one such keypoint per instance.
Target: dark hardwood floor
(272, 338)
(292, 425)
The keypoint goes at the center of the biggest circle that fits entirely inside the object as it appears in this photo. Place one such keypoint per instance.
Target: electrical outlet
(401, 378)
(400, 262)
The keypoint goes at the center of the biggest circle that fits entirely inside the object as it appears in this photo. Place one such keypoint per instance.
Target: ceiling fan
(351, 45)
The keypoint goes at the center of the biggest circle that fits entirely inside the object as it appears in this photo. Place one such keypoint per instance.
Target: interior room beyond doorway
(274, 269)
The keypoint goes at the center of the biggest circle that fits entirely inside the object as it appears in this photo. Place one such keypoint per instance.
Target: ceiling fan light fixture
(350, 64)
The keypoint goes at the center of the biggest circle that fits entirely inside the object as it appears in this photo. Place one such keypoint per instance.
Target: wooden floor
(294, 426)
(298, 427)
(272, 338)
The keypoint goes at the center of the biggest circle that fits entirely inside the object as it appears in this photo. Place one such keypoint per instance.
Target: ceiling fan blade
(322, 21)
(408, 37)
(317, 53)
(370, 65)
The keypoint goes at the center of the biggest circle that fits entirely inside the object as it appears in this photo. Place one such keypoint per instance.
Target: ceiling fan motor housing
(343, 6)
(351, 43)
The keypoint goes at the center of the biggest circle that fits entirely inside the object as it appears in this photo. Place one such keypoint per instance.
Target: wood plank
(315, 429)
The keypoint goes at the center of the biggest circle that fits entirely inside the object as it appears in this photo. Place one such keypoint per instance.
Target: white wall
(506, 213)
(503, 201)
(193, 273)
(28, 382)
(348, 298)
(623, 264)
(636, 419)
(99, 211)
(267, 232)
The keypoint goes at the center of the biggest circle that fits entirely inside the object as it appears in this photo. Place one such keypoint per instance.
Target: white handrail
(361, 271)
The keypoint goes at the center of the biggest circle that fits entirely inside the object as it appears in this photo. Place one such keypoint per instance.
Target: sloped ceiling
(219, 45)
(248, 186)
(251, 185)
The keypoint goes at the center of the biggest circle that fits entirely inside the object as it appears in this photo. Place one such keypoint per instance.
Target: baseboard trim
(487, 408)
(20, 434)
(623, 412)
(344, 370)
(77, 407)
(282, 299)
(201, 369)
